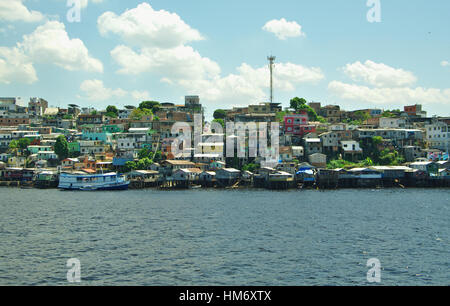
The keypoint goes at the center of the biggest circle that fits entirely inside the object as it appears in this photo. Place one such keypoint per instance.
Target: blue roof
(305, 171)
(121, 161)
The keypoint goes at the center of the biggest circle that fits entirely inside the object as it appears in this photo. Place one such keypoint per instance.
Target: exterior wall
(392, 123)
(330, 141)
(90, 119)
(21, 134)
(13, 121)
(46, 155)
(298, 125)
(5, 139)
(318, 160)
(36, 149)
(331, 112)
(224, 174)
(104, 137)
(412, 153)
(91, 147)
(313, 147)
(351, 146)
(438, 136)
(125, 113)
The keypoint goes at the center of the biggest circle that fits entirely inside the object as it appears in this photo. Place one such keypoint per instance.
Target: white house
(189, 174)
(46, 155)
(228, 173)
(207, 176)
(351, 146)
(438, 135)
(392, 123)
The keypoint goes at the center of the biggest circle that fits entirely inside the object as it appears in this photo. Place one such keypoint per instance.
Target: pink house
(298, 124)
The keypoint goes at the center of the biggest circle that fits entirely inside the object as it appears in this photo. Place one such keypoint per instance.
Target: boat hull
(123, 186)
(81, 182)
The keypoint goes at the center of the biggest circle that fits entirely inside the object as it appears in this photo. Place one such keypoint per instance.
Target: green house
(112, 128)
(74, 147)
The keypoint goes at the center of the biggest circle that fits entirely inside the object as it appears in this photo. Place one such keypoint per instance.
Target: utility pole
(271, 60)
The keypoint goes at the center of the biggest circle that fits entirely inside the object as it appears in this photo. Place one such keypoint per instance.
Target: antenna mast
(271, 60)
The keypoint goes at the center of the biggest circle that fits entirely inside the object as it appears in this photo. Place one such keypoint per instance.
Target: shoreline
(18, 185)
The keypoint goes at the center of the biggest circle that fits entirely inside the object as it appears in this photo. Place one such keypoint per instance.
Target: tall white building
(438, 135)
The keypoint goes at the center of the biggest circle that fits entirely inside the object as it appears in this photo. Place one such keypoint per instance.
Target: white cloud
(250, 84)
(16, 67)
(95, 90)
(84, 3)
(145, 27)
(140, 95)
(445, 64)
(15, 10)
(389, 86)
(357, 93)
(50, 44)
(379, 75)
(178, 62)
(283, 29)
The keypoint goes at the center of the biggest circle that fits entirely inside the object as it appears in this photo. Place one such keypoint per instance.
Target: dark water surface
(224, 237)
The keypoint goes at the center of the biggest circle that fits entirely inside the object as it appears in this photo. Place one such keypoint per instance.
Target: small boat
(88, 182)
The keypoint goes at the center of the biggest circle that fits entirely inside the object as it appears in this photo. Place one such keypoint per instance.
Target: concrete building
(392, 123)
(438, 135)
(415, 111)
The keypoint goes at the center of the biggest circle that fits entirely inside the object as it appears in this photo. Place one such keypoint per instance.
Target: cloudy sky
(122, 52)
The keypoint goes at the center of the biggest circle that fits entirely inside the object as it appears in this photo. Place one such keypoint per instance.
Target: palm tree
(13, 147)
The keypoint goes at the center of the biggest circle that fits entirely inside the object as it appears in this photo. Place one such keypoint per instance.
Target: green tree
(361, 116)
(158, 156)
(299, 104)
(130, 166)
(145, 153)
(138, 113)
(391, 113)
(144, 164)
(220, 114)
(220, 121)
(24, 143)
(154, 106)
(322, 119)
(13, 146)
(250, 167)
(112, 111)
(367, 162)
(280, 115)
(377, 140)
(62, 147)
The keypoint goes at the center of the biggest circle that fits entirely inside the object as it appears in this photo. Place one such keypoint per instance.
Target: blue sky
(122, 52)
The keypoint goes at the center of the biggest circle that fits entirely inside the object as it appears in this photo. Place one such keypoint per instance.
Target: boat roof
(89, 175)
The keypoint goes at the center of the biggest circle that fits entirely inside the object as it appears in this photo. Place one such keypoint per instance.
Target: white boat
(88, 182)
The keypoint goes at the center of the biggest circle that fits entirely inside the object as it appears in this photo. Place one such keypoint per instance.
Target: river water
(225, 237)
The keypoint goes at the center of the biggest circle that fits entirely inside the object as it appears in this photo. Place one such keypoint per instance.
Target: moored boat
(87, 182)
